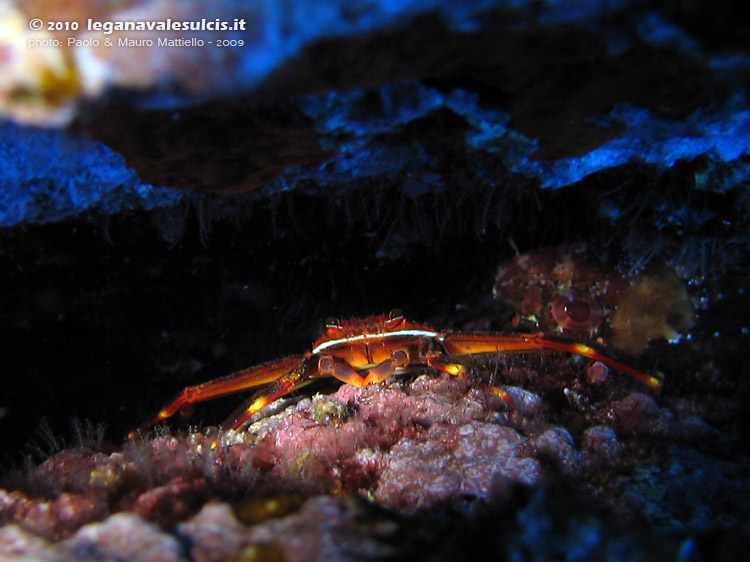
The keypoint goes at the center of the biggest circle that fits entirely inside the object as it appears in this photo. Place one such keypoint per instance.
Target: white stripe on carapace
(364, 337)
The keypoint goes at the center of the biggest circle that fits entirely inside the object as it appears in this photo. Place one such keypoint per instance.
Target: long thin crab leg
(285, 385)
(437, 361)
(468, 344)
(229, 384)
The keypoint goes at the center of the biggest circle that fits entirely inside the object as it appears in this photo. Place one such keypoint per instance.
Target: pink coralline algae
(453, 461)
(214, 534)
(303, 483)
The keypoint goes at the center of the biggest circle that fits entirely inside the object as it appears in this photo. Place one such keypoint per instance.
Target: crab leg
(235, 382)
(285, 385)
(326, 366)
(464, 344)
(437, 361)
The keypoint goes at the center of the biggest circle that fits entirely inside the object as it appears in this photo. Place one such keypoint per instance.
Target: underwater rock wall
(173, 213)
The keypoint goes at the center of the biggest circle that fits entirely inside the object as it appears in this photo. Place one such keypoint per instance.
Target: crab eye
(394, 318)
(335, 323)
(577, 310)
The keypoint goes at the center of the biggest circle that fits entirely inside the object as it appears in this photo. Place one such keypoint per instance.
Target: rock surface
(169, 215)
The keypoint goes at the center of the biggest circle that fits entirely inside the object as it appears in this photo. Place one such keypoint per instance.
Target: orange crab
(363, 351)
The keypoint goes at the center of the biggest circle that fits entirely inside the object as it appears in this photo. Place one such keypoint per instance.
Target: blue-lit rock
(722, 134)
(49, 176)
(348, 159)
